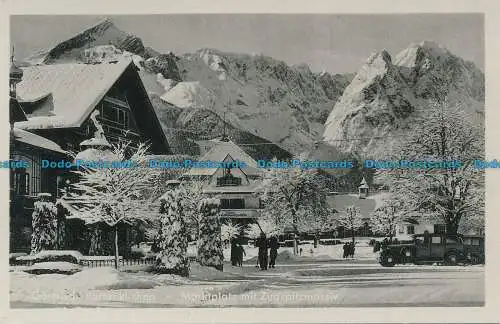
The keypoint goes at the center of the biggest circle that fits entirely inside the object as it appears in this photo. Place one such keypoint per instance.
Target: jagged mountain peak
(381, 57)
(103, 33)
(384, 95)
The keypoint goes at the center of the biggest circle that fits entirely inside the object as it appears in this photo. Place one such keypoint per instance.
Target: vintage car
(474, 248)
(426, 248)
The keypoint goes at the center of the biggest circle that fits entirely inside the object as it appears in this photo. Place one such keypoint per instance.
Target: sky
(334, 43)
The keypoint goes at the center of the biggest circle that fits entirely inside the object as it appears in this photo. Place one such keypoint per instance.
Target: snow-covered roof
(363, 184)
(366, 205)
(92, 154)
(36, 140)
(74, 89)
(219, 152)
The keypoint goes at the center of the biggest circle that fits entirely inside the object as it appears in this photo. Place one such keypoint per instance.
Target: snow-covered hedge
(173, 238)
(44, 224)
(53, 267)
(210, 251)
(53, 256)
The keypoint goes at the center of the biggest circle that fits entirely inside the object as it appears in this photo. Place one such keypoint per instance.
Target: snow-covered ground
(320, 278)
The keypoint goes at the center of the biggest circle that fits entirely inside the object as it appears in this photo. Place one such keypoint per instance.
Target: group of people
(348, 250)
(264, 244)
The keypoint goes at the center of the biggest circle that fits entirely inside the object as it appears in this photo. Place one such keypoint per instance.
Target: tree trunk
(451, 228)
(315, 241)
(116, 247)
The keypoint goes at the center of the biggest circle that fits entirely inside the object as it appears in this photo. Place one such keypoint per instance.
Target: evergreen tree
(210, 241)
(173, 235)
(44, 224)
(61, 228)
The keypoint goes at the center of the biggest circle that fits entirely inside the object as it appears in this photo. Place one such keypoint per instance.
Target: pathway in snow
(291, 284)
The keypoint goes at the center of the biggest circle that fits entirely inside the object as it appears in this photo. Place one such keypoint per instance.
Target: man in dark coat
(262, 245)
(352, 248)
(273, 251)
(240, 254)
(234, 252)
(346, 248)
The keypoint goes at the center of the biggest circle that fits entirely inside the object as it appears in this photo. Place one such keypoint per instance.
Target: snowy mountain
(385, 97)
(261, 97)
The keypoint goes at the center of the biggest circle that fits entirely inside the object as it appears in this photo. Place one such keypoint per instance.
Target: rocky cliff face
(104, 33)
(264, 99)
(381, 103)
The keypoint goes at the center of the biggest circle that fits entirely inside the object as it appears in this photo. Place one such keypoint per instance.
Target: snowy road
(293, 284)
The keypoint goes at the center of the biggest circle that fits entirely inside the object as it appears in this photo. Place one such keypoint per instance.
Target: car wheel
(451, 258)
(387, 260)
(475, 259)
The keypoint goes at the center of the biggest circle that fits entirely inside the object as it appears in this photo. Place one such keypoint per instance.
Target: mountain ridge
(291, 106)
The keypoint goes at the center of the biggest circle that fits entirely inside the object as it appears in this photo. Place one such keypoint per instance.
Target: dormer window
(228, 179)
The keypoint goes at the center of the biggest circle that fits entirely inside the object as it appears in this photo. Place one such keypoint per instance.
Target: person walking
(273, 251)
(262, 245)
(345, 247)
(240, 254)
(234, 252)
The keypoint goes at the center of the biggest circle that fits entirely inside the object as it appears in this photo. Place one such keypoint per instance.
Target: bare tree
(351, 219)
(451, 193)
(285, 191)
(113, 195)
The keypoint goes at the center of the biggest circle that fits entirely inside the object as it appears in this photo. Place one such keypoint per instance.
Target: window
(436, 240)
(22, 183)
(475, 242)
(439, 228)
(410, 229)
(232, 203)
(450, 241)
(122, 117)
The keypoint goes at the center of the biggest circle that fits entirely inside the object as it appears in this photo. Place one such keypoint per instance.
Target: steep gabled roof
(219, 152)
(36, 141)
(74, 91)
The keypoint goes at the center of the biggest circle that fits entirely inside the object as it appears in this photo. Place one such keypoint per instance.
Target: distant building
(366, 201)
(236, 186)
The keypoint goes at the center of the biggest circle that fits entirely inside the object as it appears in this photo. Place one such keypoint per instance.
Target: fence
(110, 262)
(96, 262)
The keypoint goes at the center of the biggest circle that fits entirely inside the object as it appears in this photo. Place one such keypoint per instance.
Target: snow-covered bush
(53, 256)
(173, 240)
(61, 227)
(53, 267)
(210, 251)
(44, 224)
(230, 231)
(264, 225)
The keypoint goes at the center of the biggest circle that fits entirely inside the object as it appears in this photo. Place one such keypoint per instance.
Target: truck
(434, 248)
